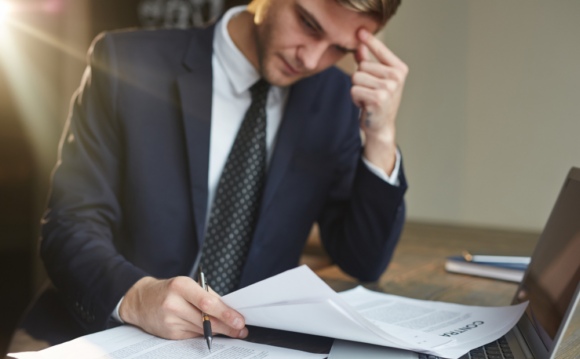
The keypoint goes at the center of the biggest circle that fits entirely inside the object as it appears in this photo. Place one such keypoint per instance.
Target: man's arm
(83, 225)
(360, 232)
(377, 89)
(362, 221)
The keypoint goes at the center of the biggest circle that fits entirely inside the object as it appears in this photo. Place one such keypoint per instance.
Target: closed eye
(308, 21)
(309, 25)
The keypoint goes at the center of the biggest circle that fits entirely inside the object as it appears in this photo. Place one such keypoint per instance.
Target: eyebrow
(309, 17)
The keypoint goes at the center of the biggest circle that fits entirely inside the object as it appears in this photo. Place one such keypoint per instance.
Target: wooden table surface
(417, 270)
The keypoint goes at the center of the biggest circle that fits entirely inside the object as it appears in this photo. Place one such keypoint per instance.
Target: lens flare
(4, 11)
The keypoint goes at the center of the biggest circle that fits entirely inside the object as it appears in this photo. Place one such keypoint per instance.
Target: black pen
(206, 323)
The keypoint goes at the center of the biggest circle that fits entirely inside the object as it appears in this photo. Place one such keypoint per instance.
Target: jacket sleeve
(363, 217)
(83, 219)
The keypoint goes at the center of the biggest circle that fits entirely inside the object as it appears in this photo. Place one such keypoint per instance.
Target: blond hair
(380, 10)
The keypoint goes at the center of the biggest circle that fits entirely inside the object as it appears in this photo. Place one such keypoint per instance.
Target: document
(127, 342)
(298, 300)
(468, 327)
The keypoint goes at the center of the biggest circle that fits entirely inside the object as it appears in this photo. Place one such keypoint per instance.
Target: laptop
(550, 284)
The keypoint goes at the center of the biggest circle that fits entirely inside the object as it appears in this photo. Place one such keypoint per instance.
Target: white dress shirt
(233, 75)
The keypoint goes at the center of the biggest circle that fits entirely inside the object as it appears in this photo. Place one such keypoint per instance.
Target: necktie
(235, 209)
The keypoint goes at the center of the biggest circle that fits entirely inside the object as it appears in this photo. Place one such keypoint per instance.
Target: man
(143, 159)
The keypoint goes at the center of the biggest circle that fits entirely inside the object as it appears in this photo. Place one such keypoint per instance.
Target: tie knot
(260, 89)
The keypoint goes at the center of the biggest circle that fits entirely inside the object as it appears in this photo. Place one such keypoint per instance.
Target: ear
(258, 8)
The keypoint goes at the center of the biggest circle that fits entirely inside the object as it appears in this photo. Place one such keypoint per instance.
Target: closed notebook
(512, 272)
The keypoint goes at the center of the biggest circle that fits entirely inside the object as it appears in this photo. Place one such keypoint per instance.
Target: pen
(206, 323)
(495, 259)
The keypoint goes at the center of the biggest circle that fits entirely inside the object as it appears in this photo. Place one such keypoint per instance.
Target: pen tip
(209, 343)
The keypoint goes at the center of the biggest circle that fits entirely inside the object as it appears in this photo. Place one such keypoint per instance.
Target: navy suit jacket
(129, 192)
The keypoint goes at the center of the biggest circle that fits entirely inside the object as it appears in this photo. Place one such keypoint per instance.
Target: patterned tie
(235, 210)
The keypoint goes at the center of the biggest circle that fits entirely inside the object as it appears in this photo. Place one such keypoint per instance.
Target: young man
(152, 130)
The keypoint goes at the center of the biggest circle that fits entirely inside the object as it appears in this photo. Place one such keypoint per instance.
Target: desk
(417, 270)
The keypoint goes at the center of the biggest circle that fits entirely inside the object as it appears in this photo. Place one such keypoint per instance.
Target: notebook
(550, 284)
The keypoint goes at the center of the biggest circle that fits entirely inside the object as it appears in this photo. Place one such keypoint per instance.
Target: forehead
(340, 24)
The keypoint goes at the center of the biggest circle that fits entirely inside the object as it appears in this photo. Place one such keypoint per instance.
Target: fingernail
(243, 333)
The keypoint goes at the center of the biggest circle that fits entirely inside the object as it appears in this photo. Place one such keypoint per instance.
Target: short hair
(380, 10)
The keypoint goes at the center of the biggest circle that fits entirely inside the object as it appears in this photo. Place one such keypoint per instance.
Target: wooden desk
(417, 270)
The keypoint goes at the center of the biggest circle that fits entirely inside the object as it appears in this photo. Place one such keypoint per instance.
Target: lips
(289, 68)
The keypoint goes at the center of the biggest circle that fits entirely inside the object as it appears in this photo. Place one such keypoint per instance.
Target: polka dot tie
(235, 209)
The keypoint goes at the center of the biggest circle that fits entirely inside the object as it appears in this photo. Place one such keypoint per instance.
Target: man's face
(299, 38)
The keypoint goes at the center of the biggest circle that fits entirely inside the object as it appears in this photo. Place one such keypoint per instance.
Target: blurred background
(489, 124)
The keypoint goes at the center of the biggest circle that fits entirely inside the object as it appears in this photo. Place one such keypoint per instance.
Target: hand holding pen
(171, 309)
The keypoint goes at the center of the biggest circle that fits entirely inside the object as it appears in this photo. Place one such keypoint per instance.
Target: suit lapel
(302, 107)
(195, 91)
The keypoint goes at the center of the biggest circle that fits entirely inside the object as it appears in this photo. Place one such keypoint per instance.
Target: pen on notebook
(476, 258)
(206, 323)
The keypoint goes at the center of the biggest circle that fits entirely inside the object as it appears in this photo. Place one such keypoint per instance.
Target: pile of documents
(299, 301)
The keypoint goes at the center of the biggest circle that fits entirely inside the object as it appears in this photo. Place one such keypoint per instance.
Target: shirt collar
(239, 71)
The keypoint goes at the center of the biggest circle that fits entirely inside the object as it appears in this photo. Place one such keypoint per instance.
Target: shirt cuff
(115, 315)
(393, 178)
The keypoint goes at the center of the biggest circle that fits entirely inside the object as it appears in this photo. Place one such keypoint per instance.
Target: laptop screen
(554, 272)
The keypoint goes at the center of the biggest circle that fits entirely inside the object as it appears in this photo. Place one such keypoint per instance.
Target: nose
(309, 55)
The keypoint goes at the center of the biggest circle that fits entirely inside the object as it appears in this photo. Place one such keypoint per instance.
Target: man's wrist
(131, 301)
(381, 151)
(116, 316)
(393, 177)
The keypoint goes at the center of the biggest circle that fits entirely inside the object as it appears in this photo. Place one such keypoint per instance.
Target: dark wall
(16, 211)
(27, 63)
(109, 15)
(24, 181)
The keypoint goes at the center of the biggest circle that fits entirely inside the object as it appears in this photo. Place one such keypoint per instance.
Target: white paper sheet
(128, 342)
(297, 300)
(468, 326)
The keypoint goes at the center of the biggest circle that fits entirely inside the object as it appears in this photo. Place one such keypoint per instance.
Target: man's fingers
(362, 53)
(172, 309)
(217, 326)
(211, 304)
(372, 81)
(381, 71)
(379, 50)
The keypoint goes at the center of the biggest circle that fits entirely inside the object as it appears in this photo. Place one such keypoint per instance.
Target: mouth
(289, 69)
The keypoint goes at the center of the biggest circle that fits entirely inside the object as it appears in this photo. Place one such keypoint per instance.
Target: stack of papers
(299, 301)
(128, 342)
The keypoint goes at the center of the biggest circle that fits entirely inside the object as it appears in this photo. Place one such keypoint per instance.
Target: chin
(279, 78)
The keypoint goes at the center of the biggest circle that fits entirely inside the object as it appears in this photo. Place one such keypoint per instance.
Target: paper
(469, 327)
(128, 342)
(298, 300)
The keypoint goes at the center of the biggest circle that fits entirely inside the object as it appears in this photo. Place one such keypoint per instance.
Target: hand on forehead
(371, 45)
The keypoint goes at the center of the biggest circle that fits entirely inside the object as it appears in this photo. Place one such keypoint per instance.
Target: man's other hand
(377, 89)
